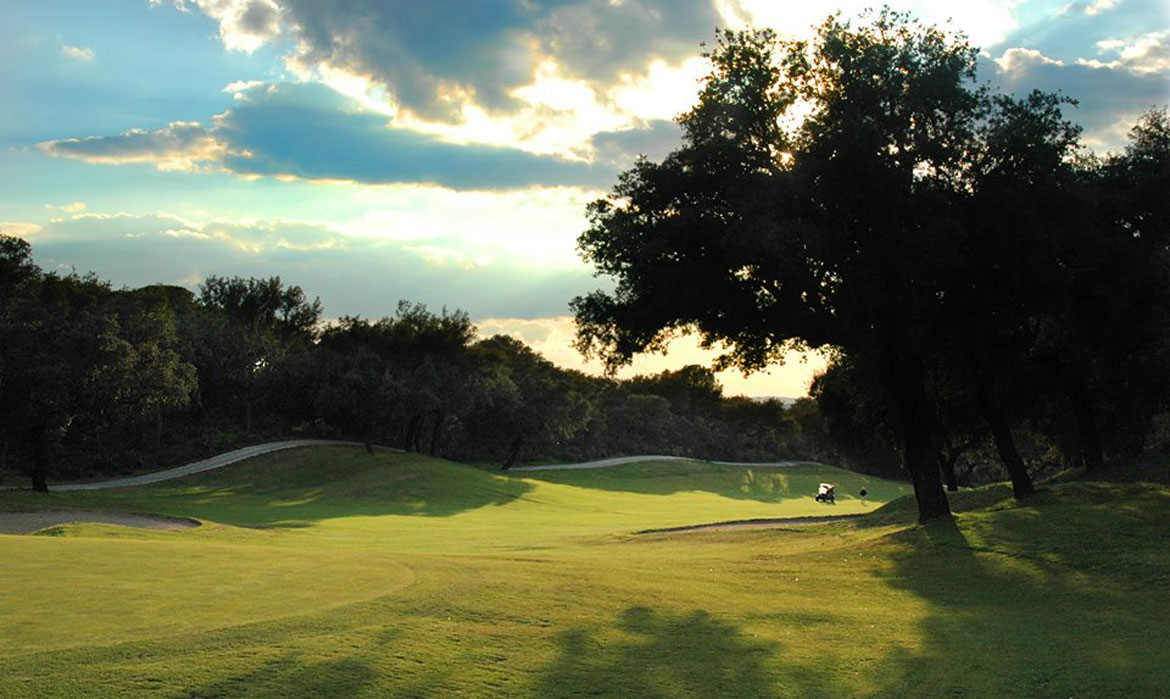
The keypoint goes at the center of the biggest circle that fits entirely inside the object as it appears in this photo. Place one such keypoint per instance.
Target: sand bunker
(29, 522)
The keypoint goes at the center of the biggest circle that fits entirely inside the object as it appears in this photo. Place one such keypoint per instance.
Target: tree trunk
(1005, 444)
(39, 445)
(440, 416)
(1069, 446)
(513, 452)
(158, 426)
(946, 462)
(1086, 416)
(905, 379)
(992, 413)
(411, 439)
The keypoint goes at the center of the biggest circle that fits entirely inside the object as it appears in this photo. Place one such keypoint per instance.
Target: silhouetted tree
(840, 230)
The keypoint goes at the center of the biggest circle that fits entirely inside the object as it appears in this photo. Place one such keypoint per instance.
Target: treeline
(96, 380)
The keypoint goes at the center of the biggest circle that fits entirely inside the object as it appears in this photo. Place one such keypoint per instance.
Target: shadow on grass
(663, 655)
(290, 676)
(1056, 597)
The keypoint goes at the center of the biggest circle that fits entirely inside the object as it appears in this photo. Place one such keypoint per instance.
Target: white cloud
(1099, 6)
(537, 227)
(664, 91)
(553, 338)
(1109, 45)
(244, 25)
(19, 229)
(1146, 54)
(240, 88)
(78, 53)
(1018, 60)
(352, 274)
(181, 145)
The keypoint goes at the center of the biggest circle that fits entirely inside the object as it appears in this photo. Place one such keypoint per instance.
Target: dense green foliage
(331, 572)
(76, 356)
(98, 381)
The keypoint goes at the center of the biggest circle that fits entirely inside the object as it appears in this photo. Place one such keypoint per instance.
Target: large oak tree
(816, 201)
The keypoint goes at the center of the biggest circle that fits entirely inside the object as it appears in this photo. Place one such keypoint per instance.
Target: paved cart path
(214, 462)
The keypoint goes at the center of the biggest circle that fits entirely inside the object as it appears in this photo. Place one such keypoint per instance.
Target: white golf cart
(825, 493)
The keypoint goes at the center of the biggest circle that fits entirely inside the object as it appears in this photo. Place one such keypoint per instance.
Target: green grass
(329, 572)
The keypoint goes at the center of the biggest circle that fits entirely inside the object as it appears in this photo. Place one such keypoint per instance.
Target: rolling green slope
(329, 572)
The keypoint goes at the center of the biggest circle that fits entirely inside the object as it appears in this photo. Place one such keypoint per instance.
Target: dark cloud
(434, 56)
(620, 148)
(307, 131)
(310, 131)
(599, 39)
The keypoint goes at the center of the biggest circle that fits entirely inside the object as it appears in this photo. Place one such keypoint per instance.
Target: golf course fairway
(327, 571)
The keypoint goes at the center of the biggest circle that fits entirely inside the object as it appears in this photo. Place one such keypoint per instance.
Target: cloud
(244, 25)
(434, 59)
(239, 89)
(1147, 54)
(353, 275)
(181, 145)
(78, 53)
(553, 338)
(308, 131)
(654, 140)
(1110, 95)
(20, 229)
(1091, 8)
(1019, 60)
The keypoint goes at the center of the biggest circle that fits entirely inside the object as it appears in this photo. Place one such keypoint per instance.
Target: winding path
(214, 462)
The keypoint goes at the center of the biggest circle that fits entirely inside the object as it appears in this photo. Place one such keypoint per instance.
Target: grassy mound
(329, 572)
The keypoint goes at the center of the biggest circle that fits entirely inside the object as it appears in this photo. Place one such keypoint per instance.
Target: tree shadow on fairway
(661, 655)
(290, 676)
(1044, 620)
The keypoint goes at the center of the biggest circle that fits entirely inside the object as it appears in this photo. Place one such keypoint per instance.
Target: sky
(442, 152)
